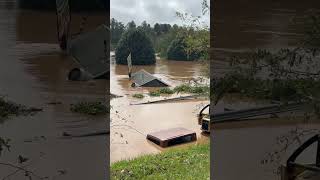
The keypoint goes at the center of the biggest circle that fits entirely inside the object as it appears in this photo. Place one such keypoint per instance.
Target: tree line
(169, 41)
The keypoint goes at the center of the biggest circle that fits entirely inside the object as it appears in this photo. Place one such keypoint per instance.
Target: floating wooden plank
(172, 137)
(181, 98)
(90, 134)
(243, 114)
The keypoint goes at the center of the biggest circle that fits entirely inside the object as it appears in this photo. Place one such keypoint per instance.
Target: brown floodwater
(131, 123)
(33, 72)
(239, 148)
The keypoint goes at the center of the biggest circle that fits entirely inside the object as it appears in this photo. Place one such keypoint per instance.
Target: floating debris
(98, 133)
(90, 108)
(8, 108)
(181, 98)
(172, 137)
(89, 50)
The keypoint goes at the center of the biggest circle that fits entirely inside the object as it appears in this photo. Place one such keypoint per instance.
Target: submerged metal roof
(90, 51)
(142, 77)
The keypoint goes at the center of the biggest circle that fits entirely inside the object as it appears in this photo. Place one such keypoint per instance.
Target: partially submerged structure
(204, 119)
(145, 79)
(230, 115)
(88, 49)
(172, 137)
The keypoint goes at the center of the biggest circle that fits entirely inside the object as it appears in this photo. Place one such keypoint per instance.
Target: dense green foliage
(116, 30)
(189, 163)
(191, 42)
(178, 51)
(136, 42)
(160, 34)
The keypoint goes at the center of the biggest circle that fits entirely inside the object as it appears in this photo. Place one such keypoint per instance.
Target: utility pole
(129, 61)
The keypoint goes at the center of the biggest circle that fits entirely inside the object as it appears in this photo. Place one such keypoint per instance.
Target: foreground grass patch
(188, 163)
(90, 108)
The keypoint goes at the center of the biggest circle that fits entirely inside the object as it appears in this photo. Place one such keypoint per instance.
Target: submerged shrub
(8, 108)
(177, 51)
(139, 96)
(90, 108)
(166, 91)
(136, 42)
(154, 93)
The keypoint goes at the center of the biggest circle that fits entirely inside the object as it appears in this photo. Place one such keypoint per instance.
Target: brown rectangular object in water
(172, 136)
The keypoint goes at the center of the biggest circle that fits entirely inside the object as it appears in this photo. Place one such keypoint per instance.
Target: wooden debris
(172, 137)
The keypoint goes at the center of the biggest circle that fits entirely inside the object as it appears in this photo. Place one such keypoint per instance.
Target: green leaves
(180, 49)
(136, 42)
(90, 108)
(138, 96)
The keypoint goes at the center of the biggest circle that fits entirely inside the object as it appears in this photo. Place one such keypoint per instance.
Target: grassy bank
(189, 163)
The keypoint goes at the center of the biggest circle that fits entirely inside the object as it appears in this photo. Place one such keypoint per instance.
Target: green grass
(188, 163)
(90, 108)
(154, 93)
(138, 96)
(166, 91)
(184, 88)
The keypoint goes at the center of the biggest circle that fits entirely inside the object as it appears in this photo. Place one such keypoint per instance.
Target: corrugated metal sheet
(90, 51)
(142, 78)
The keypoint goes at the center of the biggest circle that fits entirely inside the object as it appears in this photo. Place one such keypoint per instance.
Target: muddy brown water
(131, 123)
(239, 148)
(33, 72)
